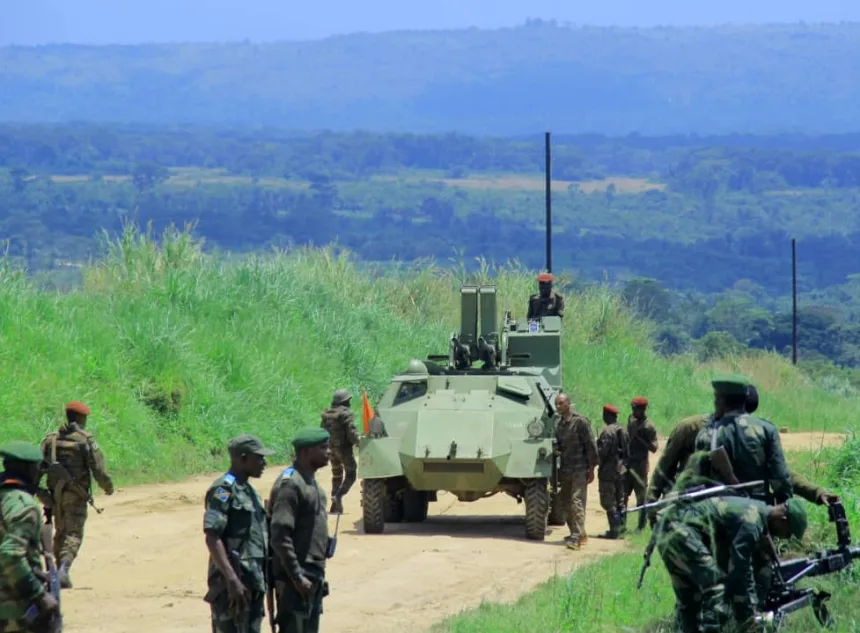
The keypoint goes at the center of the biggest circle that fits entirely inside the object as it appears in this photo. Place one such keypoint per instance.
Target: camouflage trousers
(636, 481)
(573, 494)
(70, 515)
(342, 459)
(700, 603)
(14, 626)
(611, 493)
(250, 621)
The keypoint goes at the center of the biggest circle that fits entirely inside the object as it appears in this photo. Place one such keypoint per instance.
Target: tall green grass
(176, 350)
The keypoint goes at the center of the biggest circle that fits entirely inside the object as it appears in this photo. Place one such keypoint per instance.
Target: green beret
(730, 385)
(22, 452)
(246, 443)
(310, 436)
(796, 517)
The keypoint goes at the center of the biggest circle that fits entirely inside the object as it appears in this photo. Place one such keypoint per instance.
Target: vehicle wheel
(374, 494)
(555, 514)
(537, 509)
(415, 505)
(393, 509)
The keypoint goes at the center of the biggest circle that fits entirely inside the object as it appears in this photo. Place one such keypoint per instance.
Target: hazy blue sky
(133, 21)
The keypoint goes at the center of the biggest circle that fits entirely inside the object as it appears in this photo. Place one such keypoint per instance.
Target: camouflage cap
(246, 443)
(340, 396)
(310, 436)
(796, 517)
(21, 451)
(730, 385)
(78, 407)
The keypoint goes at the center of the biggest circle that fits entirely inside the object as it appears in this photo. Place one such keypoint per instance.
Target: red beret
(608, 408)
(78, 407)
(639, 401)
(545, 277)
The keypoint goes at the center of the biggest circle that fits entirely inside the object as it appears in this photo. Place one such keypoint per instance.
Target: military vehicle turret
(475, 422)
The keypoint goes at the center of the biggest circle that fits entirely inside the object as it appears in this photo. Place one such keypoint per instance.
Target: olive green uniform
(643, 440)
(575, 441)
(20, 551)
(77, 451)
(235, 513)
(540, 307)
(299, 543)
(613, 452)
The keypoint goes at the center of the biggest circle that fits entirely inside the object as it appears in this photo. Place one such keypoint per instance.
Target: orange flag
(366, 413)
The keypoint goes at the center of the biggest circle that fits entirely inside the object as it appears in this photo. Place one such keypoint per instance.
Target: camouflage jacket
(235, 513)
(553, 306)
(734, 530)
(576, 443)
(755, 452)
(79, 453)
(613, 448)
(20, 549)
(340, 423)
(643, 439)
(299, 525)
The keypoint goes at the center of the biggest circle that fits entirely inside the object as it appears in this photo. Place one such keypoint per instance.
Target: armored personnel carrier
(476, 422)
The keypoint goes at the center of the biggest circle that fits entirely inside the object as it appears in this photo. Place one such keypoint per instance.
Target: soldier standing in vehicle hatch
(578, 451)
(339, 421)
(547, 302)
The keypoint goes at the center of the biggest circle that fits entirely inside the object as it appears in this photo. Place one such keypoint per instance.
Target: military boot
(642, 520)
(612, 533)
(622, 520)
(65, 579)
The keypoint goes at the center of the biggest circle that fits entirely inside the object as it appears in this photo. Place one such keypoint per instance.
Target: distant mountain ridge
(573, 80)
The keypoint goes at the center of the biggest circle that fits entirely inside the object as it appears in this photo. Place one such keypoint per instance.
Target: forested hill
(509, 81)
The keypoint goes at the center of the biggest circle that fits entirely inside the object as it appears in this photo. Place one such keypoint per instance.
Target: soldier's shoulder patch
(222, 495)
(230, 478)
(288, 472)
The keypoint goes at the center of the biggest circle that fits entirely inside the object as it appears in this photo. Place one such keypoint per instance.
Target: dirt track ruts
(142, 567)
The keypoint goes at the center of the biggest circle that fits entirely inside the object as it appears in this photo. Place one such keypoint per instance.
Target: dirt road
(143, 563)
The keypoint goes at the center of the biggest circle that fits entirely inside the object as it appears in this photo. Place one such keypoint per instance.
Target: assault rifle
(784, 597)
(697, 493)
(37, 620)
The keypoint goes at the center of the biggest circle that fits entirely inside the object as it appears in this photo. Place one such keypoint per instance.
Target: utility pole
(793, 301)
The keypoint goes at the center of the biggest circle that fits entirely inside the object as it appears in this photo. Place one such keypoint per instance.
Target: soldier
(578, 452)
(21, 574)
(752, 444)
(339, 421)
(681, 444)
(547, 302)
(709, 574)
(74, 459)
(643, 440)
(613, 453)
(238, 541)
(300, 542)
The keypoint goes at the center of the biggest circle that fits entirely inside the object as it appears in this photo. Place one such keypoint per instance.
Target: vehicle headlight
(376, 427)
(535, 428)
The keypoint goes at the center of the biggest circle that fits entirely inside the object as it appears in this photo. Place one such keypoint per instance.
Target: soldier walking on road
(300, 540)
(643, 440)
(238, 541)
(613, 452)
(22, 578)
(578, 452)
(74, 459)
(339, 421)
(547, 302)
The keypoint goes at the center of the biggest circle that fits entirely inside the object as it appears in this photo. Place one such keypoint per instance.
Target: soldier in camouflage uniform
(713, 576)
(681, 444)
(78, 454)
(238, 541)
(643, 440)
(752, 444)
(547, 302)
(613, 453)
(578, 452)
(22, 579)
(339, 421)
(300, 539)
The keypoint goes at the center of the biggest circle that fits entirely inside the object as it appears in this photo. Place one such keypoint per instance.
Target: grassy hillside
(176, 351)
(519, 80)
